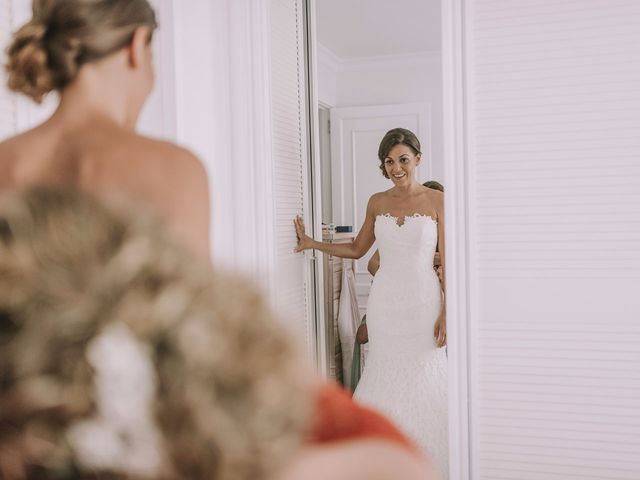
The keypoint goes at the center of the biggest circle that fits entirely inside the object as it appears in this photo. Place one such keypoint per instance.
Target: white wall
(196, 110)
(215, 115)
(327, 72)
(392, 80)
(158, 118)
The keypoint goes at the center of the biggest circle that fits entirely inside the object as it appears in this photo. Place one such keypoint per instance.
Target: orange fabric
(339, 418)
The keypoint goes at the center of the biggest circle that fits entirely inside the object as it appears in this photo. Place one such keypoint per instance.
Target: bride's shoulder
(377, 201)
(383, 196)
(376, 198)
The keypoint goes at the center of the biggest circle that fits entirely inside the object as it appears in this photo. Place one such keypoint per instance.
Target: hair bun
(27, 66)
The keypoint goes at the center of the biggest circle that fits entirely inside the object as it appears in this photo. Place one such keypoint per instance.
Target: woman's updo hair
(47, 52)
(396, 136)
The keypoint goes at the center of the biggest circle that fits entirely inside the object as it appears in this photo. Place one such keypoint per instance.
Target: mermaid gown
(405, 375)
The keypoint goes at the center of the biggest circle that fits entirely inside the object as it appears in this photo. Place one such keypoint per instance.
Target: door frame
(314, 200)
(455, 54)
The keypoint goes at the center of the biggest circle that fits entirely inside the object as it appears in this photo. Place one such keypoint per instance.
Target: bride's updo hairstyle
(62, 35)
(396, 136)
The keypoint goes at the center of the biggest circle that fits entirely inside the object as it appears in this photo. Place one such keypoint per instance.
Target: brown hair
(229, 400)
(62, 35)
(434, 185)
(397, 136)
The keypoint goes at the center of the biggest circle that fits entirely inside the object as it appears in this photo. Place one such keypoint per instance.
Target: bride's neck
(408, 189)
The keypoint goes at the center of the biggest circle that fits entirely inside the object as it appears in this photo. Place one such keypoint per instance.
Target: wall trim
(389, 60)
(338, 64)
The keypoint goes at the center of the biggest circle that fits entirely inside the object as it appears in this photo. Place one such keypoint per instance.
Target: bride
(406, 373)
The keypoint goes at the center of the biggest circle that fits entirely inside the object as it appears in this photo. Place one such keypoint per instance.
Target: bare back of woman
(104, 75)
(105, 159)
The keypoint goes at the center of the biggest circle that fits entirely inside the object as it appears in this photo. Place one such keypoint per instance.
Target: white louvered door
(551, 93)
(293, 273)
(8, 122)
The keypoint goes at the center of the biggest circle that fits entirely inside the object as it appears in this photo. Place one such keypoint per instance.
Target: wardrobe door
(545, 173)
(293, 281)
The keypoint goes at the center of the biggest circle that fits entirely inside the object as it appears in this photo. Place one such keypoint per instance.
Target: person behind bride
(405, 375)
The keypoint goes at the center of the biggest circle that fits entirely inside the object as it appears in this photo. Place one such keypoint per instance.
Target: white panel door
(546, 176)
(355, 174)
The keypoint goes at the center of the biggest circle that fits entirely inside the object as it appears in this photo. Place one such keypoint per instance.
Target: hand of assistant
(440, 272)
(362, 334)
(440, 330)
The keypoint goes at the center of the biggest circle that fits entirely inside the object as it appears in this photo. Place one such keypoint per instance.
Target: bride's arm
(356, 249)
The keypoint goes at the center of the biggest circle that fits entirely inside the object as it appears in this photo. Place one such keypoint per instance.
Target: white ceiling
(372, 28)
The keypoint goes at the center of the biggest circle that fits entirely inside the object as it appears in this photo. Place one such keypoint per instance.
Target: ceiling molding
(337, 64)
(389, 60)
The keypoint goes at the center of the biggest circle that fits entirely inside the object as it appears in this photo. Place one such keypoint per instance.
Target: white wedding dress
(405, 374)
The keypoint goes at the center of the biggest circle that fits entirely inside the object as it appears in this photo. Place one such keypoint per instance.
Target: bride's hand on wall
(304, 240)
(440, 330)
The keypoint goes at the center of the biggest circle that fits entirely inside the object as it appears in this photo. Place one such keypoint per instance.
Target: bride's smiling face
(400, 164)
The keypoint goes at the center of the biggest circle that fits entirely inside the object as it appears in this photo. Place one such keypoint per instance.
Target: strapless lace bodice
(406, 243)
(406, 287)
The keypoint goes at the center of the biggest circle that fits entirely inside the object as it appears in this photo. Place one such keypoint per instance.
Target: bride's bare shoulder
(378, 201)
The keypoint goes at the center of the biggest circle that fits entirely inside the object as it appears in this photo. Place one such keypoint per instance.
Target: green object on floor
(355, 367)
